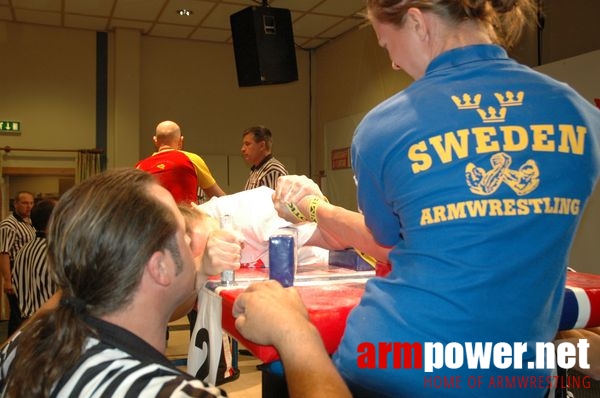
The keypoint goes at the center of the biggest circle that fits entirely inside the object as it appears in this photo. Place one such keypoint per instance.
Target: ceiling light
(184, 12)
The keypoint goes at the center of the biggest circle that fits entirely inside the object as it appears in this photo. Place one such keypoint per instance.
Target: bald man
(181, 173)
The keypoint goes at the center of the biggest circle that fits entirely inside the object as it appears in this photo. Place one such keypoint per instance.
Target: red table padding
(328, 307)
(329, 302)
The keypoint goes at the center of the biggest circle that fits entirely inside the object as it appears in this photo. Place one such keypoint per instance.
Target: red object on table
(328, 307)
(329, 302)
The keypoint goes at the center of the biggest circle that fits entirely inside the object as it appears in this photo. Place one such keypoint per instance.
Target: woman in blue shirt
(475, 177)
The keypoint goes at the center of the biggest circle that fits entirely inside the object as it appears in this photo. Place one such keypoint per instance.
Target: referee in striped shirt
(15, 231)
(118, 250)
(257, 144)
(31, 277)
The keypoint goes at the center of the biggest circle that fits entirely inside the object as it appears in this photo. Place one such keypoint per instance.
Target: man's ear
(155, 141)
(157, 269)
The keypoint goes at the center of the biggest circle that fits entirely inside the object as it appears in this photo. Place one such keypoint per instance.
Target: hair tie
(78, 305)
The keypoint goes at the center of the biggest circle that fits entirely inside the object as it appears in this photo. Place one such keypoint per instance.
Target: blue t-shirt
(477, 175)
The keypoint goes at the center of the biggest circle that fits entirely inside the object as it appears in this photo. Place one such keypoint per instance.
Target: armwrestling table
(330, 292)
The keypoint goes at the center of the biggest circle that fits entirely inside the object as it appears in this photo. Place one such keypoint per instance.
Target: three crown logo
(466, 101)
(490, 114)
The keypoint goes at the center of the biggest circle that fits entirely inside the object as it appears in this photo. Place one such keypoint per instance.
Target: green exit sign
(9, 127)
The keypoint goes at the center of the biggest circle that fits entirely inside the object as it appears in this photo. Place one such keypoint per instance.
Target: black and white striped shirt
(33, 283)
(265, 173)
(14, 233)
(118, 364)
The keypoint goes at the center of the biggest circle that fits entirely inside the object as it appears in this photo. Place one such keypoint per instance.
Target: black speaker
(263, 44)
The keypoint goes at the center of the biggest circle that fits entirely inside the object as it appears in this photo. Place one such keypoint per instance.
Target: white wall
(48, 83)
(195, 84)
(582, 73)
(340, 187)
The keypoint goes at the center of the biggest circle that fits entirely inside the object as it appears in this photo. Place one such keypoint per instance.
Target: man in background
(181, 173)
(257, 143)
(32, 280)
(15, 231)
(117, 256)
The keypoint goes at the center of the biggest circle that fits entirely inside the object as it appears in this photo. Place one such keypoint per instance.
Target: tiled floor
(248, 385)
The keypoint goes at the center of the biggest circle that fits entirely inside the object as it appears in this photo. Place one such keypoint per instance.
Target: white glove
(292, 197)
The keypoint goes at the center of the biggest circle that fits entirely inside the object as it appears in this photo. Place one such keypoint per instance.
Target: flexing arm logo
(485, 182)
